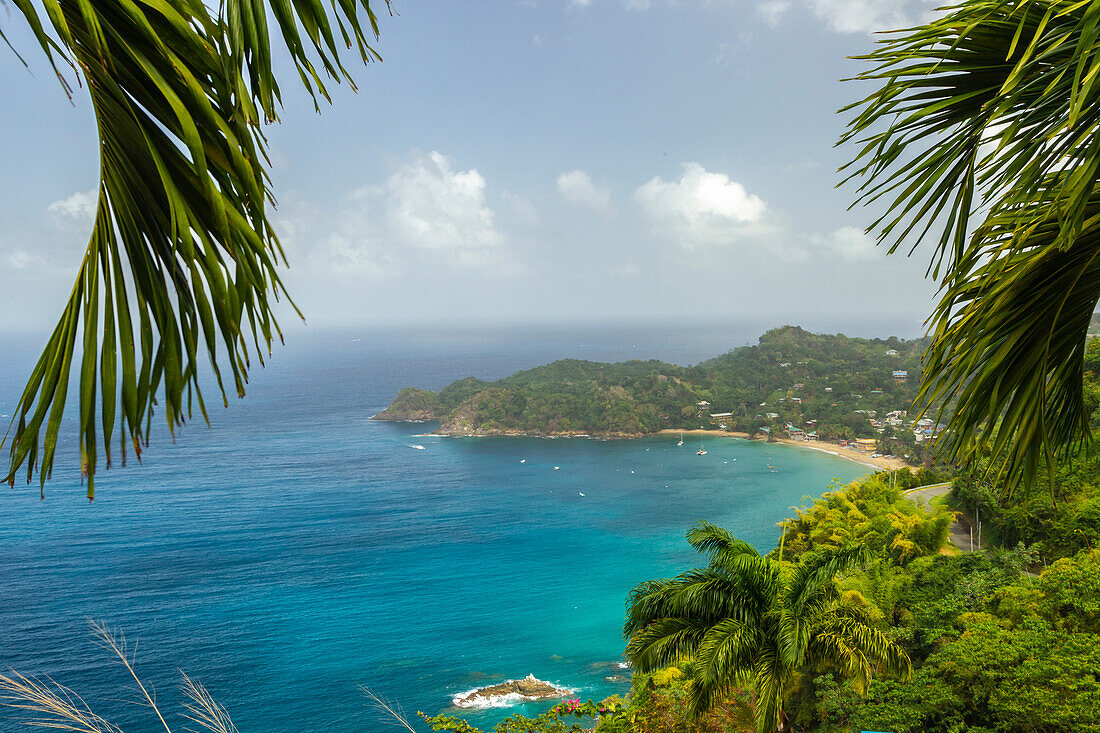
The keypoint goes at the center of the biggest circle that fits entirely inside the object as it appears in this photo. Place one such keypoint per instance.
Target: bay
(295, 550)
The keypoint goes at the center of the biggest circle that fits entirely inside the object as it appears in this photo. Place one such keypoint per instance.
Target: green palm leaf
(182, 260)
(985, 127)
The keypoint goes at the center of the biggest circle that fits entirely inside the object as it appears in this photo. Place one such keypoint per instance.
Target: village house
(722, 418)
(892, 352)
(795, 433)
(900, 375)
(864, 445)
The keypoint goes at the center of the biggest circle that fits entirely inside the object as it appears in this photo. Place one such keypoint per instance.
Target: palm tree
(751, 621)
(182, 257)
(983, 135)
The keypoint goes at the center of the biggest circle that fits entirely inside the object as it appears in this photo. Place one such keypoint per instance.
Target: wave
(510, 692)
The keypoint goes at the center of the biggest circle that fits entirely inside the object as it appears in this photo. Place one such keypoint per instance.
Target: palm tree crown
(751, 621)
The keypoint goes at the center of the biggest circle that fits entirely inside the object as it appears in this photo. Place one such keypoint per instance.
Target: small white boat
(681, 439)
(417, 446)
(700, 452)
(523, 460)
(581, 493)
(557, 468)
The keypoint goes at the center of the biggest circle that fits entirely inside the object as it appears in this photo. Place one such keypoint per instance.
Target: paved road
(959, 534)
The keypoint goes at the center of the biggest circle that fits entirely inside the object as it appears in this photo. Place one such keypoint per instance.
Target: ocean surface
(294, 550)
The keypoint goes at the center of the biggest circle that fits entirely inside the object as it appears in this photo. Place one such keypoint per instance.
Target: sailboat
(681, 439)
(700, 452)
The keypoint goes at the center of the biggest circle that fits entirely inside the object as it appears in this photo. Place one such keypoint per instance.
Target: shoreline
(822, 446)
(836, 449)
(892, 463)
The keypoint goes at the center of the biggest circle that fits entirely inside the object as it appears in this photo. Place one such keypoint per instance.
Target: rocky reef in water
(527, 689)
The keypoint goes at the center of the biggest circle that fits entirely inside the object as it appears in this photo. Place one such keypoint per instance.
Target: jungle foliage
(791, 373)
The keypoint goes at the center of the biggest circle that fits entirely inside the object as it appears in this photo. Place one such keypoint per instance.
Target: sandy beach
(879, 464)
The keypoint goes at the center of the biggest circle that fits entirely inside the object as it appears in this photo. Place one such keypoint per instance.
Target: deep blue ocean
(295, 550)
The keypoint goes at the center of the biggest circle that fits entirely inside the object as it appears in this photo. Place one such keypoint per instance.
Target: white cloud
(848, 243)
(424, 213)
(853, 16)
(862, 16)
(19, 259)
(772, 11)
(78, 209)
(431, 206)
(729, 50)
(702, 208)
(577, 188)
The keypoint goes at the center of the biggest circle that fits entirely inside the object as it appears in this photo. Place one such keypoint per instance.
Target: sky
(532, 161)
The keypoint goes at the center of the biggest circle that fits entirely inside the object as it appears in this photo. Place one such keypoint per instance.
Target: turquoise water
(296, 550)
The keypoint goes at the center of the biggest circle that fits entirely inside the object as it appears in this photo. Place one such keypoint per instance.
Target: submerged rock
(528, 688)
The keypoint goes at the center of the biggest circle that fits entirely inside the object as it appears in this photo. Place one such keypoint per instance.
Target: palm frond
(856, 649)
(701, 594)
(182, 257)
(665, 641)
(986, 125)
(726, 656)
(814, 575)
(1010, 340)
(723, 549)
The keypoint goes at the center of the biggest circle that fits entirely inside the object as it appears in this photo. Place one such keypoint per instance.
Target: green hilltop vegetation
(831, 384)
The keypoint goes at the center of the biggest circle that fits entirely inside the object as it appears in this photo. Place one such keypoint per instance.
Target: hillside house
(864, 445)
(795, 433)
(722, 418)
(892, 352)
(900, 376)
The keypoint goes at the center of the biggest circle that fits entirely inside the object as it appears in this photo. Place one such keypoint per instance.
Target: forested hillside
(831, 384)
